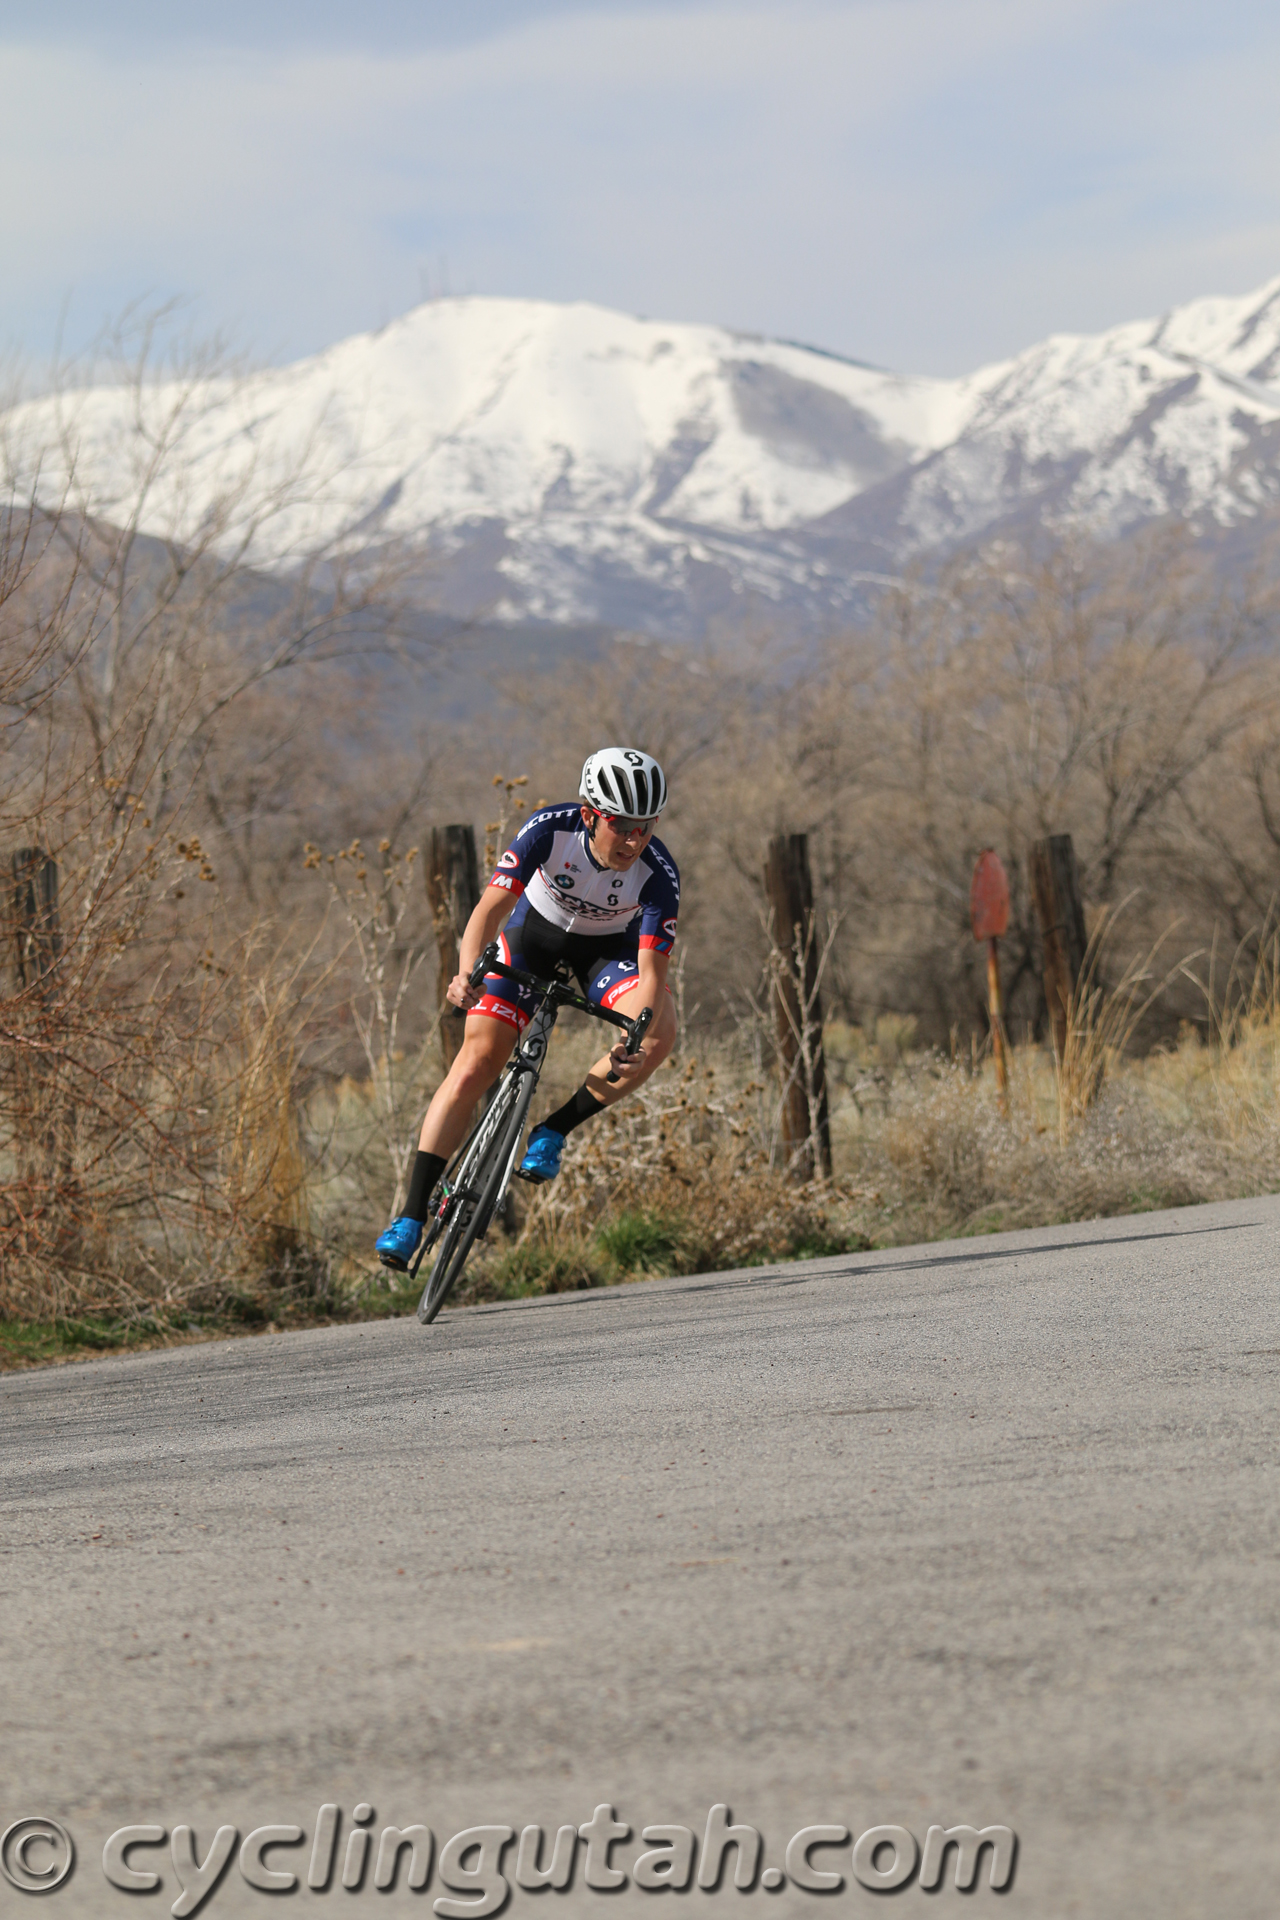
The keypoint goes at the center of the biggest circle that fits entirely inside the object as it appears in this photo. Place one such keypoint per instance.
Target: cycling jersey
(570, 908)
(550, 867)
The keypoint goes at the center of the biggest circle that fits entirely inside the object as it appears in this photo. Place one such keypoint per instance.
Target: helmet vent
(605, 788)
(642, 792)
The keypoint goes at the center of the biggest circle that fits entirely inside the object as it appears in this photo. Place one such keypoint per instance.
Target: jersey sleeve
(659, 901)
(531, 846)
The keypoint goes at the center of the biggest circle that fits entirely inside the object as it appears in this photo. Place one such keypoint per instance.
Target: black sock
(583, 1106)
(427, 1168)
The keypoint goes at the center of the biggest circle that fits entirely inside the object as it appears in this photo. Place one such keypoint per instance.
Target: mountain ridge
(568, 463)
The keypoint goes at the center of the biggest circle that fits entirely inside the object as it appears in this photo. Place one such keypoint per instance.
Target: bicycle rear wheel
(479, 1178)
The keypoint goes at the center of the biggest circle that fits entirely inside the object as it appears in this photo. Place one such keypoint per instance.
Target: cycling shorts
(604, 969)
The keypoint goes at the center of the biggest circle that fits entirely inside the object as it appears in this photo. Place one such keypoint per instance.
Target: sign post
(989, 909)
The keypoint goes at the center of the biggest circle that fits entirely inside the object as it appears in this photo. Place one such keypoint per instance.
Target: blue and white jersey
(550, 867)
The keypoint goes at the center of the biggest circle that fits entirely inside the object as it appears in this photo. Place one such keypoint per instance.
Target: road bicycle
(474, 1187)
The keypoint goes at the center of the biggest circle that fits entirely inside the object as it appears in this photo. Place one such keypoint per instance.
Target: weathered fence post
(806, 1126)
(453, 888)
(37, 935)
(1055, 884)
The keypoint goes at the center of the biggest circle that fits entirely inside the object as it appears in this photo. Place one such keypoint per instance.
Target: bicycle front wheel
(479, 1178)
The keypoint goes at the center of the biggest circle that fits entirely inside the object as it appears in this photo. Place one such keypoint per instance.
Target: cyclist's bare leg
(655, 1047)
(485, 1051)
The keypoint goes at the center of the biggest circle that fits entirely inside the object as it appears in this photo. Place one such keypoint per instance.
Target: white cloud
(924, 182)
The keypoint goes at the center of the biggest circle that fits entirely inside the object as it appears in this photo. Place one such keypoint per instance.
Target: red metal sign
(989, 897)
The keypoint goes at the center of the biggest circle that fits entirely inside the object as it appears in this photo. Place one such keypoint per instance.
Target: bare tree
(145, 1100)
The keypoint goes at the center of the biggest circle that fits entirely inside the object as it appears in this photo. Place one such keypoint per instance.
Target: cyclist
(587, 883)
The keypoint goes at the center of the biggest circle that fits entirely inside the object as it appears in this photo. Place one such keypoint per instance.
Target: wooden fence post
(806, 1126)
(1055, 883)
(37, 934)
(453, 888)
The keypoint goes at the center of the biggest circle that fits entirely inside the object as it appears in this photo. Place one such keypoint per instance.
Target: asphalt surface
(986, 1532)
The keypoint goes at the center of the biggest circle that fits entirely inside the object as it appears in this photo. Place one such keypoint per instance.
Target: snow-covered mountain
(568, 463)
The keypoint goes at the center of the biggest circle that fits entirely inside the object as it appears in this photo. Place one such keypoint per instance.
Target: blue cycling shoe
(397, 1246)
(542, 1156)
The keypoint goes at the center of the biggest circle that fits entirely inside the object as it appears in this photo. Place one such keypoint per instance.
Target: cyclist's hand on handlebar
(622, 1062)
(625, 1059)
(461, 993)
(465, 989)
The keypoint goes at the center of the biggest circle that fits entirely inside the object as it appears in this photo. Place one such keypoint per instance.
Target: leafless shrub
(688, 1156)
(150, 1148)
(1241, 1061)
(387, 948)
(1101, 1021)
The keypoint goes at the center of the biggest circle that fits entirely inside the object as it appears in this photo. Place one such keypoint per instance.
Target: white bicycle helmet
(622, 780)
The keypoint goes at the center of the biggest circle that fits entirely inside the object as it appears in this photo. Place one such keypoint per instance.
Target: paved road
(985, 1532)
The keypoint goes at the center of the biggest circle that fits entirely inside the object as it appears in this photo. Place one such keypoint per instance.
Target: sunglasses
(627, 828)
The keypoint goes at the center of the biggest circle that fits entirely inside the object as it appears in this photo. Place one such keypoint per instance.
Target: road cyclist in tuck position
(584, 890)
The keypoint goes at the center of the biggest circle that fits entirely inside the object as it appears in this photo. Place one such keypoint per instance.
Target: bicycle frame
(532, 1050)
(525, 1064)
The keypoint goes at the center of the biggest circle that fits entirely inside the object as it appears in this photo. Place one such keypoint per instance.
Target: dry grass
(679, 1179)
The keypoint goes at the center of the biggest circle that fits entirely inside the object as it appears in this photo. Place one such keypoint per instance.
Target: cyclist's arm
(652, 979)
(653, 976)
(491, 914)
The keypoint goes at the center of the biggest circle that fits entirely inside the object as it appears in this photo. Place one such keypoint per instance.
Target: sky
(929, 185)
